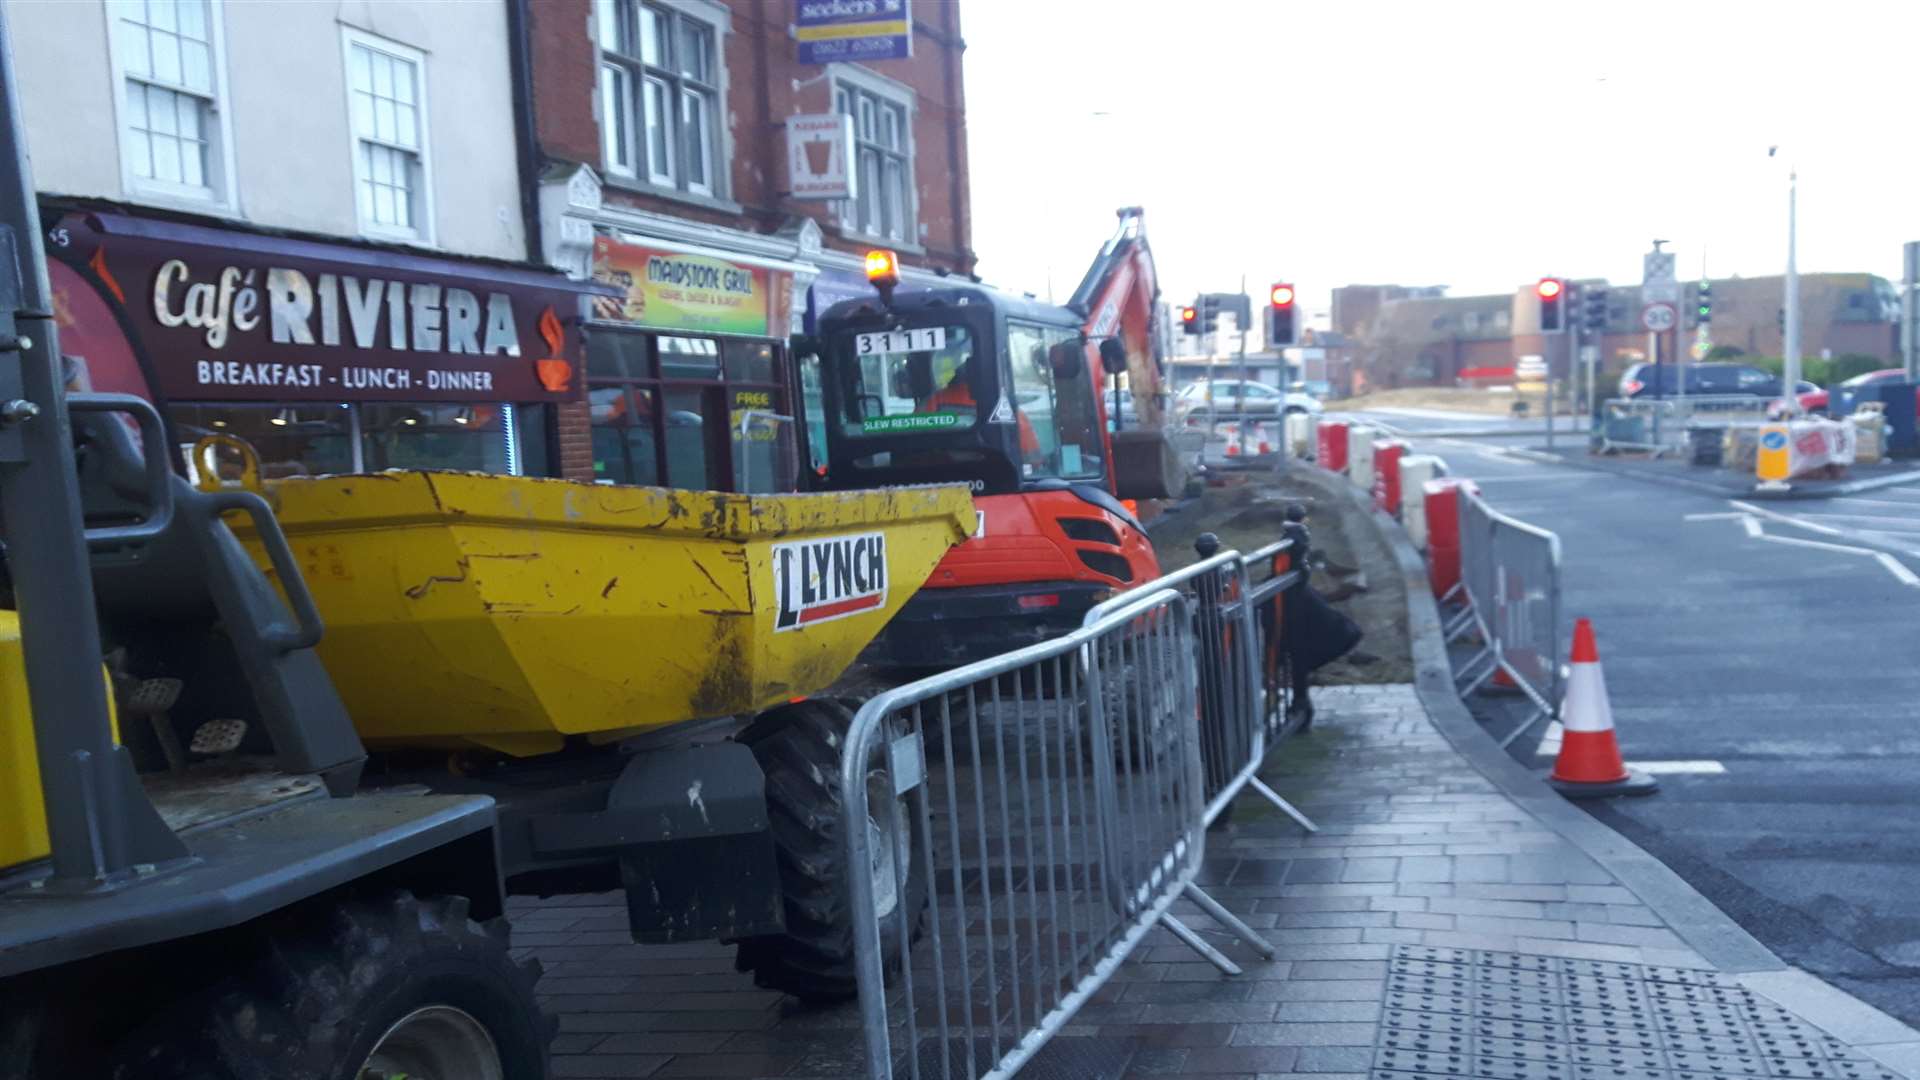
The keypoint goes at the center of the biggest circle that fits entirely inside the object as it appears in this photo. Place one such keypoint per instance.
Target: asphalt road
(1778, 648)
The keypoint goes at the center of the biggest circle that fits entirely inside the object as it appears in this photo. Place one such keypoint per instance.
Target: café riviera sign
(259, 318)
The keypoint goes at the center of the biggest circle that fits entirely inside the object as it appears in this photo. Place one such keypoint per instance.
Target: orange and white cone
(1589, 765)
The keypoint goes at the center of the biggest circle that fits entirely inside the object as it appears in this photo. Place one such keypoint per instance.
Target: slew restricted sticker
(816, 581)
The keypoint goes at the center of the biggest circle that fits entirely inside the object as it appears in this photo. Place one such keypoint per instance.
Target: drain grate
(1468, 1013)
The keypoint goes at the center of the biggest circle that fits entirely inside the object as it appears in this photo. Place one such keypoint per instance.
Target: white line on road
(1912, 523)
(1775, 515)
(1728, 516)
(1855, 500)
(1821, 545)
(1677, 768)
(1538, 476)
(1752, 525)
(1898, 569)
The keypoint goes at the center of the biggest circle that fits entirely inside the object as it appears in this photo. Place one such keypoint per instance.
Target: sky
(1474, 145)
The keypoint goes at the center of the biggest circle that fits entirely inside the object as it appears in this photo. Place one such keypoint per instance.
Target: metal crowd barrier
(1058, 799)
(1063, 817)
(1510, 575)
(1659, 425)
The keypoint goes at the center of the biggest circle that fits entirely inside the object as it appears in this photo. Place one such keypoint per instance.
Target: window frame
(680, 88)
(861, 85)
(219, 193)
(424, 231)
(715, 394)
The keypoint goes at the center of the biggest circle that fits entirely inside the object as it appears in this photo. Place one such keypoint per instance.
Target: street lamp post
(1790, 323)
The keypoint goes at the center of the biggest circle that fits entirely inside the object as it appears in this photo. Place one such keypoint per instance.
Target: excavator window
(1060, 431)
(905, 381)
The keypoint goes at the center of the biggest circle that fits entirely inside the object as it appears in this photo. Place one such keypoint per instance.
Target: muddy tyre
(799, 748)
(385, 986)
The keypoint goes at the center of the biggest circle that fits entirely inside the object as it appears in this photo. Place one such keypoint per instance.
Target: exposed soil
(1249, 515)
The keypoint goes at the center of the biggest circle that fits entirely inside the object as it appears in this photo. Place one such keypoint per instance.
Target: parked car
(1240, 396)
(1704, 379)
(1819, 400)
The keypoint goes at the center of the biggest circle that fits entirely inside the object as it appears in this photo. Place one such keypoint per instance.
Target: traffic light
(1593, 309)
(1280, 329)
(1209, 313)
(1189, 320)
(1703, 303)
(1551, 292)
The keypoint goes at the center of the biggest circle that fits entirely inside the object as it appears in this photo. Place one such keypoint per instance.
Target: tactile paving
(1472, 1014)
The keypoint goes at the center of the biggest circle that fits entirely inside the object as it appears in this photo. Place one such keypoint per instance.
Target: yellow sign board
(1775, 459)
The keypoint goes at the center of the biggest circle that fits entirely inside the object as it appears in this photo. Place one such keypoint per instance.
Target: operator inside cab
(957, 397)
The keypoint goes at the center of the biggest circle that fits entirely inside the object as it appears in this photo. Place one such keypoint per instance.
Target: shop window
(686, 430)
(625, 448)
(309, 440)
(882, 130)
(322, 438)
(622, 356)
(715, 418)
(386, 98)
(748, 361)
(465, 437)
(689, 358)
(660, 93)
(172, 135)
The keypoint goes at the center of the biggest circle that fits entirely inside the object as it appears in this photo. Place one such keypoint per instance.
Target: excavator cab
(967, 384)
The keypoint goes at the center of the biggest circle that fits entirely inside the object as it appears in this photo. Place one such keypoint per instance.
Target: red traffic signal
(1189, 320)
(1281, 296)
(1551, 291)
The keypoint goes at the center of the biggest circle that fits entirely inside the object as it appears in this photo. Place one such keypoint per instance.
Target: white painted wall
(287, 104)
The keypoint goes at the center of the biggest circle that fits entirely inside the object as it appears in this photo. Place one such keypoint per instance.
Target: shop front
(687, 367)
(323, 357)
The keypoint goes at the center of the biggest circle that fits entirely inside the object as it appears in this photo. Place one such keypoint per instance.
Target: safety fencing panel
(1047, 804)
(1659, 425)
(1511, 574)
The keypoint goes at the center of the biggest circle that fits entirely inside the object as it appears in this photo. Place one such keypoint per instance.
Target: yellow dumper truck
(355, 711)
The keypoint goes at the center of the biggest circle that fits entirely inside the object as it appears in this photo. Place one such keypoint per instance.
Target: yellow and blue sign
(833, 31)
(1775, 459)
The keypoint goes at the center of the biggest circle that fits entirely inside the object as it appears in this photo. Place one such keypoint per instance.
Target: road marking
(1912, 523)
(1751, 523)
(1904, 504)
(1679, 768)
(1537, 476)
(1898, 569)
(1820, 545)
(1775, 515)
(1535, 455)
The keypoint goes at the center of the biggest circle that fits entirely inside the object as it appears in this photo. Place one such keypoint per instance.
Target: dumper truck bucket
(511, 612)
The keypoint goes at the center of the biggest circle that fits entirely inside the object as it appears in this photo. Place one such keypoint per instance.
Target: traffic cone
(1589, 765)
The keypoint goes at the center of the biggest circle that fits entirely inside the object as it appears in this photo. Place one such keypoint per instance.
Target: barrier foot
(1538, 715)
(1468, 685)
(1231, 921)
(1286, 807)
(1193, 941)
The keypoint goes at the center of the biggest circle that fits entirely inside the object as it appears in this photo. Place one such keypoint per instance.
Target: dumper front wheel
(799, 748)
(366, 989)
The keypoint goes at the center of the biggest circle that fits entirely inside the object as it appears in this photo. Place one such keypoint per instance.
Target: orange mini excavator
(1054, 415)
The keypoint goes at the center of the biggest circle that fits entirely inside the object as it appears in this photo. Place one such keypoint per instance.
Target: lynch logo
(819, 580)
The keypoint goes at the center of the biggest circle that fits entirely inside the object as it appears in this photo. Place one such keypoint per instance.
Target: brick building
(1416, 337)
(659, 132)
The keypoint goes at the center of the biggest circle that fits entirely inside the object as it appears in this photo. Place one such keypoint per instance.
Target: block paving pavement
(1422, 870)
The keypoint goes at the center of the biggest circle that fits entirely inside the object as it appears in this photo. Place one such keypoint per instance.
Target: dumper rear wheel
(799, 748)
(365, 989)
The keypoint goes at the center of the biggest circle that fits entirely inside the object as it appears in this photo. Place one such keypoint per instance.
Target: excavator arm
(1120, 297)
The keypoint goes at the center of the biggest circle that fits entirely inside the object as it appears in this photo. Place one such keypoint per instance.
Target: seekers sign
(852, 31)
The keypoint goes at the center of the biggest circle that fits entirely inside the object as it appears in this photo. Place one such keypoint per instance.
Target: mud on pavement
(1249, 511)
